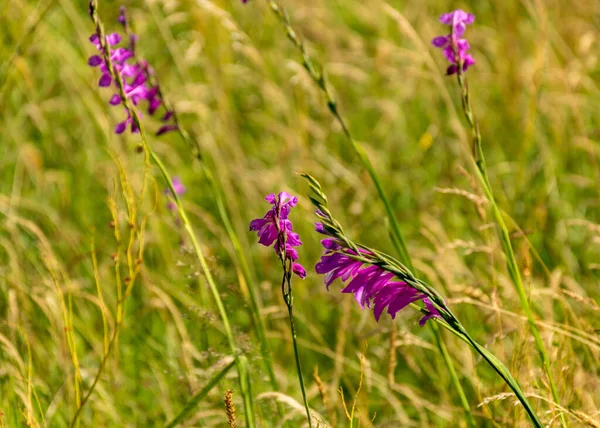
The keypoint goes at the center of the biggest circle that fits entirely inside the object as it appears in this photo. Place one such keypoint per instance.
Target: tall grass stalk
(191, 405)
(396, 235)
(217, 193)
(511, 261)
(288, 296)
(241, 363)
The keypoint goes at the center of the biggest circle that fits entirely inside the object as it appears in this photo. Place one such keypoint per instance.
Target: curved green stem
(511, 261)
(242, 370)
(374, 257)
(241, 362)
(255, 307)
(237, 246)
(289, 299)
(397, 238)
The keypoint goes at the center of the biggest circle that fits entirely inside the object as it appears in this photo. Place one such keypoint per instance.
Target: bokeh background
(239, 86)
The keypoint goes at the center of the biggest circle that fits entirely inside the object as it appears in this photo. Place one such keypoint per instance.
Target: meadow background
(239, 86)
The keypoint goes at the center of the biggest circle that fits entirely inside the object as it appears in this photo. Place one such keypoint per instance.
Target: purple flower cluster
(275, 228)
(135, 75)
(454, 47)
(370, 284)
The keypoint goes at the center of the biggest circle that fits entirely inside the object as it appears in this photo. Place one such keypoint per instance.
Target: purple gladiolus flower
(370, 284)
(454, 47)
(276, 229)
(135, 75)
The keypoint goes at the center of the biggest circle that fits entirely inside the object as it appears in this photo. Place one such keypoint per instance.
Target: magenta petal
(293, 239)
(440, 41)
(446, 18)
(268, 235)
(180, 189)
(291, 253)
(433, 312)
(105, 80)
(121, 127)
(167, 128)
(468, 61)
(451, 70)
(115, 100)
(153, 105)
(330, 244)
(299, 270)
(113, 38)
(257, 224)
(449, 53)
(95, 60)
(459, 29)
(320, 228)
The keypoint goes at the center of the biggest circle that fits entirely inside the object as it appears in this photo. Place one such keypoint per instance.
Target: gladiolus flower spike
(377, 281)
(454, 47)
(275, 229)
(136, 75)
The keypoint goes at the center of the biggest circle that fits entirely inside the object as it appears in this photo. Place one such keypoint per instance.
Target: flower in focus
(371, 284)
(276, 229)
(454, 47)
(135, 75)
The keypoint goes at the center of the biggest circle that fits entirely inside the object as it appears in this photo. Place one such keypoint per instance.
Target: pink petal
(105, 80)
(440, 41)
(95, 60)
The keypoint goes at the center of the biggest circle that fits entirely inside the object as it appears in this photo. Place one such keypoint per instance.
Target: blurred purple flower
(371, 284)
(135, 76)
(122, 16)
(275, 229)
(454, 47)
(179, 188)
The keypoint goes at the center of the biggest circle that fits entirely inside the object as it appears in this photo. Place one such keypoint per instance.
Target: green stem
(242, 371)
(396, 235)
(511, 261)
(194, 145)
(289, 301)
(503, 372)
(192, 142)
(191, 405)
(240, 361)
(225, 218)
(453, 375)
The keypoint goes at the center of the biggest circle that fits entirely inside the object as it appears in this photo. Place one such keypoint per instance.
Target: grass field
(107, 317)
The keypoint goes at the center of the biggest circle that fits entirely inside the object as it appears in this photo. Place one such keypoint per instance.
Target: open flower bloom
(135, 75)
(371, 285)
(454, 47)
(276, 229)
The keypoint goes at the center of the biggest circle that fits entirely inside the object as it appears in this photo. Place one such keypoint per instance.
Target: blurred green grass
(237, 82)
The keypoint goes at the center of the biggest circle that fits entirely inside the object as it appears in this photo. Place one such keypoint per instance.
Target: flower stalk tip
(453, 46)
(275, 229)
(136, 75)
